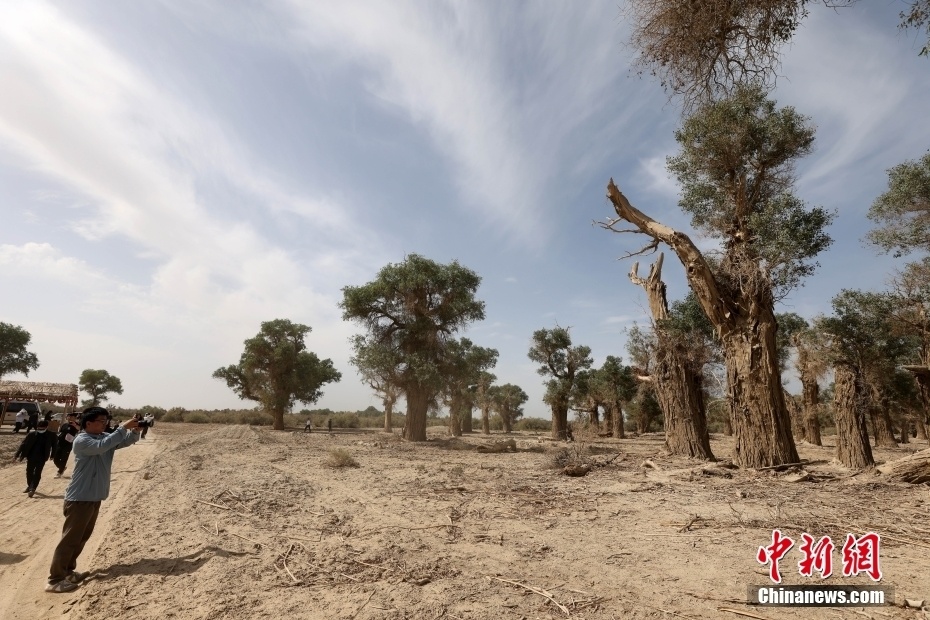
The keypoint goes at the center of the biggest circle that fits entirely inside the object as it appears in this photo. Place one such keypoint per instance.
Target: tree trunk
(728, 424)
(680, 395)
(486, 420)
(595, 417)
(455, 426)
(388, 412)
(761, 425)
(906, 430)
(921, 430)
(745, 322)
(810, 402)
(507, 421)
(914, 468)
(852, 436)
(417, 408)
(881, 426)
(677, 382)
(277, 417)
(559, 421)
(466, 420)
(616, 421)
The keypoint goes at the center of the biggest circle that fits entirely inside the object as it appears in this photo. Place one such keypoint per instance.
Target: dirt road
(30, 529)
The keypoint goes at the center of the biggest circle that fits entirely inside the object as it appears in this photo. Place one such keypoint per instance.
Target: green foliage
(533, 424)
(918, 16)
(411, 312)
(98, 383)
(198, 418)
(558, 359)
(13, 354)
(789, 324)
(507, 401)
(903, 212)
(277, 370)
(736, 170)
(860, 331)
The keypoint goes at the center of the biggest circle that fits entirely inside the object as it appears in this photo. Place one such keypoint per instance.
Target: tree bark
(417, 408)
(810, 399)
(914, 469)
(616, 421)
(921, 430)
(388, 413)
(852, 436)
(881, 426)
(507, 421)
(678, 383)
(745, 322)
(486, 420)
(277, 418)
(455, 425)
(465, 418)
(559, 421)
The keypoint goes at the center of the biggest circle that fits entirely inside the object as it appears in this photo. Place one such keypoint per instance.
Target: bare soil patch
(215, 522)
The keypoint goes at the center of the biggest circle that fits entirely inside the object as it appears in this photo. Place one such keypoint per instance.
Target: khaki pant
(80, 518)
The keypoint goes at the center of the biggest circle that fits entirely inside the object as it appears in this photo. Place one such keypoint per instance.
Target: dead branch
(740, 612)
(538, 591)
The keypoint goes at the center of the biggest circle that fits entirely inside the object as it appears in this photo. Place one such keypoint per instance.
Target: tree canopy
(507, 400)
(903, 212)
(704, 50)
(98, 383)
(14, 357)
(559, 360)
(277, 370)
(414, 309)
(736, 170)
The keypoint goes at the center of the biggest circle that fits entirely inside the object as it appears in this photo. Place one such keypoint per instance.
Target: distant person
(22, 420)
(308, 426)
(33, 420)
(90, 485)
(68, 430)
(48, 416)
(36, 448)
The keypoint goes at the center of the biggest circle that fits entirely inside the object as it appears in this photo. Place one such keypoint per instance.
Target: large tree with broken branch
(736, 168)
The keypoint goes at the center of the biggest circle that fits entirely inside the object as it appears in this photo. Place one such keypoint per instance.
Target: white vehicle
(14, 406)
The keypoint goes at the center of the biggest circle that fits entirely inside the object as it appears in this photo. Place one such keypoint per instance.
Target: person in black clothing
(66, 434)
(33, 420)
(36, 448)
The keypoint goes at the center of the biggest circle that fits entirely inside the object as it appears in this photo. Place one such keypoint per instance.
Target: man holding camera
(90, 484)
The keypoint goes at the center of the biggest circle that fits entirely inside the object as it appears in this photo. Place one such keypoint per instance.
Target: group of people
(93, 438)
(39, 445)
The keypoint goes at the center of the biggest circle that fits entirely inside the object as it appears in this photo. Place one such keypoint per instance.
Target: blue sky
(172, 173)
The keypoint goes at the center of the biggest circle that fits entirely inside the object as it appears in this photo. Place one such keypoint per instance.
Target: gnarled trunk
(559, 421)
(745, 322)
(616, 421)
(678, 383)
(388, 403)
(486, 420)
(810, 404)
(852, 436)
(418, 399)
(760, 420)
(881, 427)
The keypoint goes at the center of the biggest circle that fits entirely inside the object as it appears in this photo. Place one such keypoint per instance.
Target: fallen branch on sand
(538, 591)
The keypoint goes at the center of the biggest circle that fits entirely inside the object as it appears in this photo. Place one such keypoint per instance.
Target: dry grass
(340, 457)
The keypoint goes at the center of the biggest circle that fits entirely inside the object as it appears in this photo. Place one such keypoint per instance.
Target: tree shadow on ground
(180, 565)
(11, 558)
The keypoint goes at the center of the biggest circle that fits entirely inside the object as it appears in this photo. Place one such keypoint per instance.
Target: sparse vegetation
(340, 457)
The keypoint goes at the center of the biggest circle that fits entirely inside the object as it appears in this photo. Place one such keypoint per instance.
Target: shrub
(533, 424)
(172, 416)
(197, 417)
(340, 457)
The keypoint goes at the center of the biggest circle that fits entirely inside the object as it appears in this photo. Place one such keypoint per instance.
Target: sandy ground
(214, 522)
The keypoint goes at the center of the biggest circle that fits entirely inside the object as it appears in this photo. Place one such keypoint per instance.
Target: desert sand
(213, 522)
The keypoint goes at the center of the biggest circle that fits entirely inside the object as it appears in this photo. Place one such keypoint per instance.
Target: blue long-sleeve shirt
(93, 459)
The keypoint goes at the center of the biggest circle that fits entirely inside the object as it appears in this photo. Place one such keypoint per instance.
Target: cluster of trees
(735, 166)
